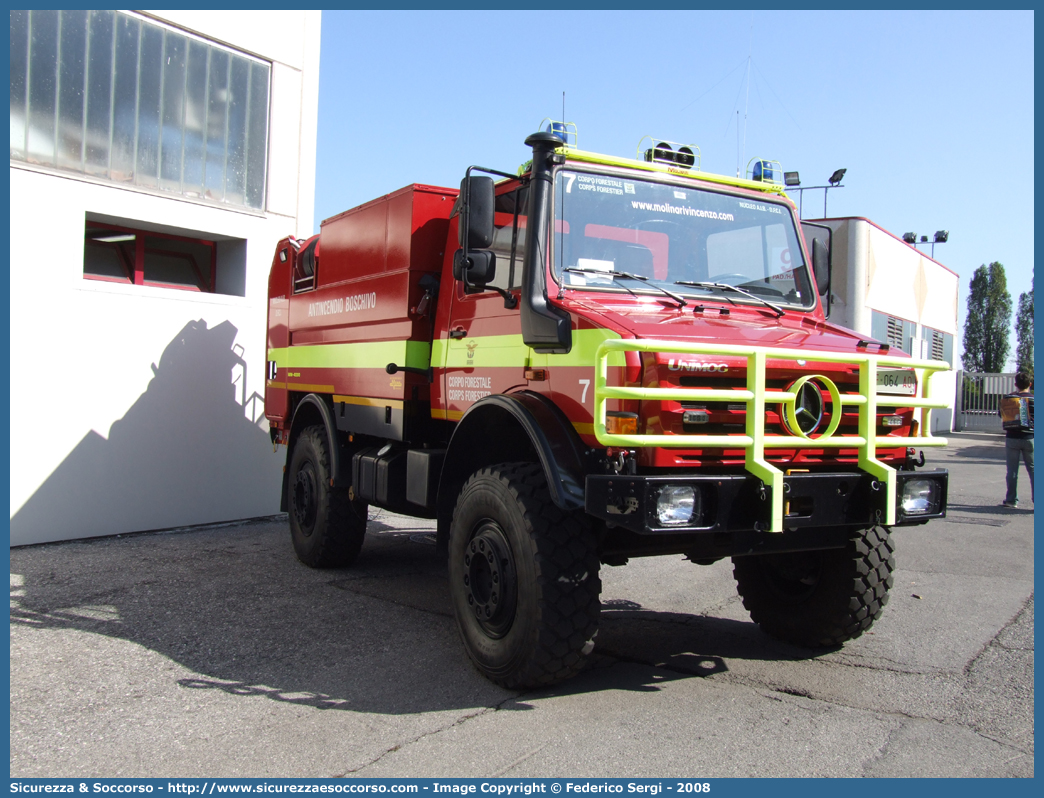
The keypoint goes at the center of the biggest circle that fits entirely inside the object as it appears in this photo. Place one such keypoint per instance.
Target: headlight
(677, 505)
(920, 496)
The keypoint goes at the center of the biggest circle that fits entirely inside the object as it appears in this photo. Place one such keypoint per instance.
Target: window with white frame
(940, 345)
(895, 333)
(117, 97)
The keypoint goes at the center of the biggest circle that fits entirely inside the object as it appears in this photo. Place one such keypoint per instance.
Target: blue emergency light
(764, 171)
(564, 130)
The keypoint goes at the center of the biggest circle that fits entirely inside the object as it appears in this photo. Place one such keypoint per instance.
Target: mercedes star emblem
(808, 407)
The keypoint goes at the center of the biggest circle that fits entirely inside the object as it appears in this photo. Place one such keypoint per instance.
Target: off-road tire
(523, 578)
(326, 526)
(819, 598)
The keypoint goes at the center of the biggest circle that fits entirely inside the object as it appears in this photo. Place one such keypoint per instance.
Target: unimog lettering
(689, 365)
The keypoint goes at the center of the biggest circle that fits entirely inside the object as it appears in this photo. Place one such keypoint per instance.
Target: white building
(890, 291)
(156, 158)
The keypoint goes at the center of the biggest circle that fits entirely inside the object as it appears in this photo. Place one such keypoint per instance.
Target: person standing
(1018, 443)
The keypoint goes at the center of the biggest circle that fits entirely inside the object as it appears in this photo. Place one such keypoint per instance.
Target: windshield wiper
(628, 276)
(778, 310)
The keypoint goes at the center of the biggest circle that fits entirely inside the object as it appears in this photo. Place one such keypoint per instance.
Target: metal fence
(978, 399)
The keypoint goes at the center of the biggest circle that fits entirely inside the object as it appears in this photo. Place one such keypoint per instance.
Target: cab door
(484, 350)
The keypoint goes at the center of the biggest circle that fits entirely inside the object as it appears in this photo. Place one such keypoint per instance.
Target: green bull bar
(756, 397)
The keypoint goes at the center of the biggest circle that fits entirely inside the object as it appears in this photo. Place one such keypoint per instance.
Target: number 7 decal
(583, 396)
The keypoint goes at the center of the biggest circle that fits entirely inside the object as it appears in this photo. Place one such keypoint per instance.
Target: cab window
(503, 219)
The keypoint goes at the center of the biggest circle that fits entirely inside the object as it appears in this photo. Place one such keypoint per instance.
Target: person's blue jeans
(1018, 449)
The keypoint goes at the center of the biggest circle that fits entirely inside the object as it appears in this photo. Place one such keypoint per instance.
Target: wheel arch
(517, 427)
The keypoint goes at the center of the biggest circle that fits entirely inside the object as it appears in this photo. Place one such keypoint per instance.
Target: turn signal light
(535, 375)
(619, 423)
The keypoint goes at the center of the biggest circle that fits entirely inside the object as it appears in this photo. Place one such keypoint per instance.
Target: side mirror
(819, 238)
(821, 265)
(479, 268)
(476, 219)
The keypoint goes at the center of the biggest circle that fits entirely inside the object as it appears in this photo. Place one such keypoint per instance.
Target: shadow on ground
(988, 453)
(235, 609)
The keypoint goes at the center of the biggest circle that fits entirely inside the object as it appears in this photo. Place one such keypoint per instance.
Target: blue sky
(931, 113)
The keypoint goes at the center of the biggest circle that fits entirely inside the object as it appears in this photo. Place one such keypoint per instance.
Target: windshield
(671, 235)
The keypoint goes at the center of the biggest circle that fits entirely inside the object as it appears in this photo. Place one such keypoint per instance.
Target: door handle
(460, 332)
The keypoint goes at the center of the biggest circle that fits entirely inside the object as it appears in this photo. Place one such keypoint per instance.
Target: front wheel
(523, 577)
(819, 598)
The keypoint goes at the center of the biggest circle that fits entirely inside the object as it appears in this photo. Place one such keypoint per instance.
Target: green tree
(988, 322)
(1024, 333)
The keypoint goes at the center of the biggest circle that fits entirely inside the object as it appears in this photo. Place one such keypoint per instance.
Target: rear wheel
(326, 526)
(819, 598)
(523, 577)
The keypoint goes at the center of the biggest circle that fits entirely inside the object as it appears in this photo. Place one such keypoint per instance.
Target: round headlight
(676, 505)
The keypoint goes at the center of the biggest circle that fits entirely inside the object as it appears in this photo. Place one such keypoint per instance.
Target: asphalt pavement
(212, 652)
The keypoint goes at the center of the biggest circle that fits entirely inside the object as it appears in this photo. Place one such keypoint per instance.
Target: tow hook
(624, 462)
(914, 463)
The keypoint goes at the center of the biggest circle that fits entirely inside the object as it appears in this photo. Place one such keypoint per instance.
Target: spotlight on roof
(662, 152)
(685, 157)
(791, 179)
(837, 177)
(910, 238)
(941, 236)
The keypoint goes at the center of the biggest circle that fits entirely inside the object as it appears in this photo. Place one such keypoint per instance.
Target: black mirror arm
(510, 300)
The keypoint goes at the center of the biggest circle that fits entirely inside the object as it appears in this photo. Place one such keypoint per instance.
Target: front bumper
(742, 502)
(757, 398)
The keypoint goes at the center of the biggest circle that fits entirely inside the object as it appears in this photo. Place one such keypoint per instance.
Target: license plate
(901, 382)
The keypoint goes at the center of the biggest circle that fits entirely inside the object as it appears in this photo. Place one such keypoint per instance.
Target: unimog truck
(593, 359)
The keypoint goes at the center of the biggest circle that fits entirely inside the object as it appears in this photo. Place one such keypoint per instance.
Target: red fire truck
(594, 359)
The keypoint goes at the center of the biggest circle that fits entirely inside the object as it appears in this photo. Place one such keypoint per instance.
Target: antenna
(737, 144)
(746, 102)
(563, 106)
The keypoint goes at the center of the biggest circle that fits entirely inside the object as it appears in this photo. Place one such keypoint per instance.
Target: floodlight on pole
(792, 180)
(941, 237)
(835, 182)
